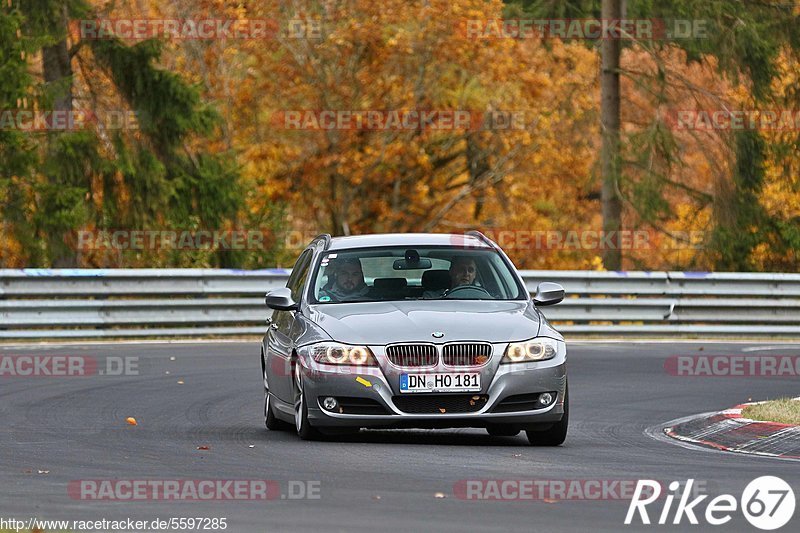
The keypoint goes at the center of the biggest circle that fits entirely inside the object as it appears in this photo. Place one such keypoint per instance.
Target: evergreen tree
(155, 176)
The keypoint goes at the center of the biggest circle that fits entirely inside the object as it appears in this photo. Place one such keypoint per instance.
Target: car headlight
(538, 349)
(334, 353)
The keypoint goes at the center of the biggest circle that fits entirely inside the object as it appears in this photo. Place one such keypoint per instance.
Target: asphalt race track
(74, 428)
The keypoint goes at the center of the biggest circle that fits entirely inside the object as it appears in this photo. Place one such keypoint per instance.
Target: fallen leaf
(180, 382)
(550, 500)
(203, 447)
(132, 421)
(376, 497)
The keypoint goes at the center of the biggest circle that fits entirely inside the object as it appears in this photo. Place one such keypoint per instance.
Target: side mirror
(281, 300)
(548, 293)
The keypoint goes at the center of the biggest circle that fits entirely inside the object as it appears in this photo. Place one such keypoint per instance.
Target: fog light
(545, 399)
(330, 403)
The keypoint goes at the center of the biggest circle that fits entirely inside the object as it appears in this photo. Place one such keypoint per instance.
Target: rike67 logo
(767, 502)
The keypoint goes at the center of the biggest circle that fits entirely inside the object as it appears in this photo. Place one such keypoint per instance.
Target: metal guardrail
(42, 304)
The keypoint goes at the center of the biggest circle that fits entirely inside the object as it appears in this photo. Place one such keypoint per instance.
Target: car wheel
(304, 428)
(502, 431)
(271, 421)
(556, 434)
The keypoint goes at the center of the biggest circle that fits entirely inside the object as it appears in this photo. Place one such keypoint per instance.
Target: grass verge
(783, 411)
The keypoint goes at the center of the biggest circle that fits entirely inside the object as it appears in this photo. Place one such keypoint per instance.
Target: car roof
(407, 239)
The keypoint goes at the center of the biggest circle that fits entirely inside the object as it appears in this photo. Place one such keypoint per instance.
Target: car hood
(378, 323)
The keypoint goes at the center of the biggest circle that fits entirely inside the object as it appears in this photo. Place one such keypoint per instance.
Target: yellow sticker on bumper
(363, 381)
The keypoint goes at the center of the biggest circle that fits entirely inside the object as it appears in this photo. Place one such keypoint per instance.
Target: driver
(348, 282)
(463, 271)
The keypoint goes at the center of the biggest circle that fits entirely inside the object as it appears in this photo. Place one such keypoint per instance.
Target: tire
(271, 422)
(302, 425)
(502, 431)
(557, 433)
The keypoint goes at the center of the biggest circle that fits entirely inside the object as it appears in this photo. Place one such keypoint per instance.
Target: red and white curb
(728, 431)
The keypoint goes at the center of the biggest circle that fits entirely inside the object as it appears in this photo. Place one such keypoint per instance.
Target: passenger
(347, 282)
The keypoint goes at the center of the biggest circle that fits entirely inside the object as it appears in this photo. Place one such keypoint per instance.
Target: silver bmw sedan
(413, 330)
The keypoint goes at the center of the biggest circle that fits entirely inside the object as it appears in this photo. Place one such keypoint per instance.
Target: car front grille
(412, 354)
(440, 403)
(466, 354)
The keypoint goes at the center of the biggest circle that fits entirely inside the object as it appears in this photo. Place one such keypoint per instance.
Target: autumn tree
(742, 41)
(397, 56)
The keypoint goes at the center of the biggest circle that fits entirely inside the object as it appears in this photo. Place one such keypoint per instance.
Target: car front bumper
(371, 384)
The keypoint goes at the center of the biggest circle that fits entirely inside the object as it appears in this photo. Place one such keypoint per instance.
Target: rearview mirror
(419, 264)
(281, 300)
(548, 293)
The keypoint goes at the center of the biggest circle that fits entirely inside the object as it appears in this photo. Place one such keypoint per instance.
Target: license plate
(460, 382)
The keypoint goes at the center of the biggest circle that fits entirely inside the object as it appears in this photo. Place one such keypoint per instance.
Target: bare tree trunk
(478, 167)
(57, 69)
(57, 72)
(335, 219)
(610, 49)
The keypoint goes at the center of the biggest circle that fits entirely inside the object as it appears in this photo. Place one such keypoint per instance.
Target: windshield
(429, 273)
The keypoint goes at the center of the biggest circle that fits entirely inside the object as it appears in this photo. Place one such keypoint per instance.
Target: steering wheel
(469, 292)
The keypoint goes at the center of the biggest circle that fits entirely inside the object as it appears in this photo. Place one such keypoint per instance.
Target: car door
(279, 339)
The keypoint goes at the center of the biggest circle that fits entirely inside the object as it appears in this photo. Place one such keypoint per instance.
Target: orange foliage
(404, 55)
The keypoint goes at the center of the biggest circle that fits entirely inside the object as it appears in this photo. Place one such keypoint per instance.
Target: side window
(299, 274)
